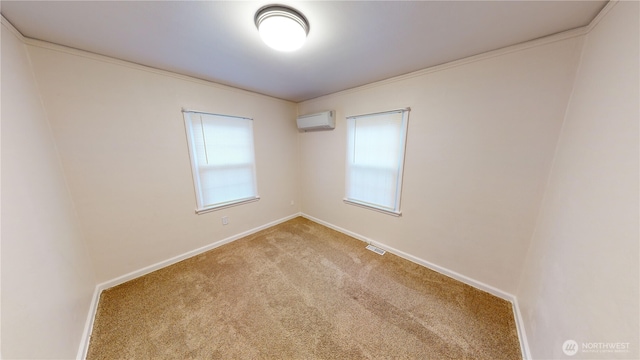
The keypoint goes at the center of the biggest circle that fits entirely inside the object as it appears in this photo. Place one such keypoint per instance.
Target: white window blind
(222, 159)
(375, 160)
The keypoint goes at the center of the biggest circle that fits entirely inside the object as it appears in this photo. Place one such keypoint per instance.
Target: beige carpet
(299, 290)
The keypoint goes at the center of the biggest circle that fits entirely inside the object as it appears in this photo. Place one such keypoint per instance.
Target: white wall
(479, 150)
(482, 138)
(581, 275)
(122, 142)
(47, 278)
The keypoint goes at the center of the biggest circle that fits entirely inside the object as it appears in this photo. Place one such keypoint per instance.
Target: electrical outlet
(292, 202)
(225, 220)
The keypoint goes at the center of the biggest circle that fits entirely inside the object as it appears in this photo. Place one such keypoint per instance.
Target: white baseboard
(524, 346)
(84, 343)
(452, 274)
(522, 334)
(88, 325)
(86, 337)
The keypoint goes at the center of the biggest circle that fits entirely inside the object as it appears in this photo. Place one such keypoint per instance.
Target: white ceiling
(350, 43)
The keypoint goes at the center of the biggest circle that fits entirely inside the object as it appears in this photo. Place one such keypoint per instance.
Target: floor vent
(375, 249)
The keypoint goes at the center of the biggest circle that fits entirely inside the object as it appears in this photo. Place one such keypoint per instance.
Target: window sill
(226, 205)
(372, 207)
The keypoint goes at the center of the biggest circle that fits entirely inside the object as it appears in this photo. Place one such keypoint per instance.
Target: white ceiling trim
(601, 15)
(582, 31)
(132, 65)
(9, 26)
(479, 57)
(344, 55)
(471, 59)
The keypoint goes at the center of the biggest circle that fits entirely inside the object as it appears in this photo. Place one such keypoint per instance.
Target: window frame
(404, 126)
(202, 208)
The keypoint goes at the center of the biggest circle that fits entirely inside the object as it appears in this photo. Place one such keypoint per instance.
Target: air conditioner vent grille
(375, 249)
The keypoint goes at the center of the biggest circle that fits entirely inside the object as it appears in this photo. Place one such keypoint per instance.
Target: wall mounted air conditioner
(321, 121)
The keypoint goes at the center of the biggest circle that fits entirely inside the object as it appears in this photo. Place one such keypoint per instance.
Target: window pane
(376, 141)
(222, 158)
(373, 185)
(228, 141)
(375, 158)
(222, 185)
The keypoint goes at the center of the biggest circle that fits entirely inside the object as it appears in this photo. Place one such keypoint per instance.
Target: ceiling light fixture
(281, 27)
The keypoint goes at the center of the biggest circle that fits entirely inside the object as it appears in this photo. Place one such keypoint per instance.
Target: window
(222, 159)
(375, 158)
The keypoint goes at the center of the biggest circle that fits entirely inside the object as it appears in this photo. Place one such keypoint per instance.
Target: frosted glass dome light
(282, 28)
